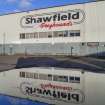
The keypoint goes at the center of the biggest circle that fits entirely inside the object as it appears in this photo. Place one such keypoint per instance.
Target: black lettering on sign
(75, 97)
(72, 96)
(28, 20)
(75, 16)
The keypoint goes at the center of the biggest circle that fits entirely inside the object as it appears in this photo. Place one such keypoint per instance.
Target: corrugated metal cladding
(67, 30)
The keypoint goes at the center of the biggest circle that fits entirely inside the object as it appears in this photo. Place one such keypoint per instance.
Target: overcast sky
(10, 6)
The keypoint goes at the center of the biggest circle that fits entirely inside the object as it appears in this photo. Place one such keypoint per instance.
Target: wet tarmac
(85, 63)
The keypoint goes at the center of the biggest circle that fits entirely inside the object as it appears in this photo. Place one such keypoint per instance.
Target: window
(45, 34)
(42, 34)
(60, 78)
(45, 76)
(35, 35)
(77, 34)
(22, 74)
(58, 34)
(35, 76)
(77, 79)
(65, 33)
(22, 36)
(28, 75)
(31, 35)
(73, 33)
(73, 79)
(49, 34)
(28, 35)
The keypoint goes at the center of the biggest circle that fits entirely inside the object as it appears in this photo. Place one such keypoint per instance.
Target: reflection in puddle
(54, 85)
(8, 100)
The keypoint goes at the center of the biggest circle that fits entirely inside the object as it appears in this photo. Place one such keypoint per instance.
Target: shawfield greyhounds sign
(53, 20)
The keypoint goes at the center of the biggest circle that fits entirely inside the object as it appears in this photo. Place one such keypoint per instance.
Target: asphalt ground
(8, 62)
(86, 63)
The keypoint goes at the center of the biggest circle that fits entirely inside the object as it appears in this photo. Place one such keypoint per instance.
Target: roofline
(49, 7)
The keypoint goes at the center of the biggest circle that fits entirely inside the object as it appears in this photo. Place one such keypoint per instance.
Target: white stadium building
(77, 29)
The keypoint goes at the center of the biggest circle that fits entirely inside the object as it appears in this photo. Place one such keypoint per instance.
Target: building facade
(77, 30)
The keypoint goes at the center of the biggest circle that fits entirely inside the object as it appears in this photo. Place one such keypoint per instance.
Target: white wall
(92, 29)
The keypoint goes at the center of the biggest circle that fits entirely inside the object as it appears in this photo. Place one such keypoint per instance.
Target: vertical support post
(72, 51)
(11, 49)
(4, 44)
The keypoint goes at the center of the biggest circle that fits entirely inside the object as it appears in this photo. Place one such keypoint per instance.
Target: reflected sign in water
(61, 86)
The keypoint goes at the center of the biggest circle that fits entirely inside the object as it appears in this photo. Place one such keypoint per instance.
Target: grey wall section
(73, 49)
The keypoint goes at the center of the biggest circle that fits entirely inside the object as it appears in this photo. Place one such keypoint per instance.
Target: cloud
(16, 10)
(25, 4)
(11, 1)
(21, 3)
